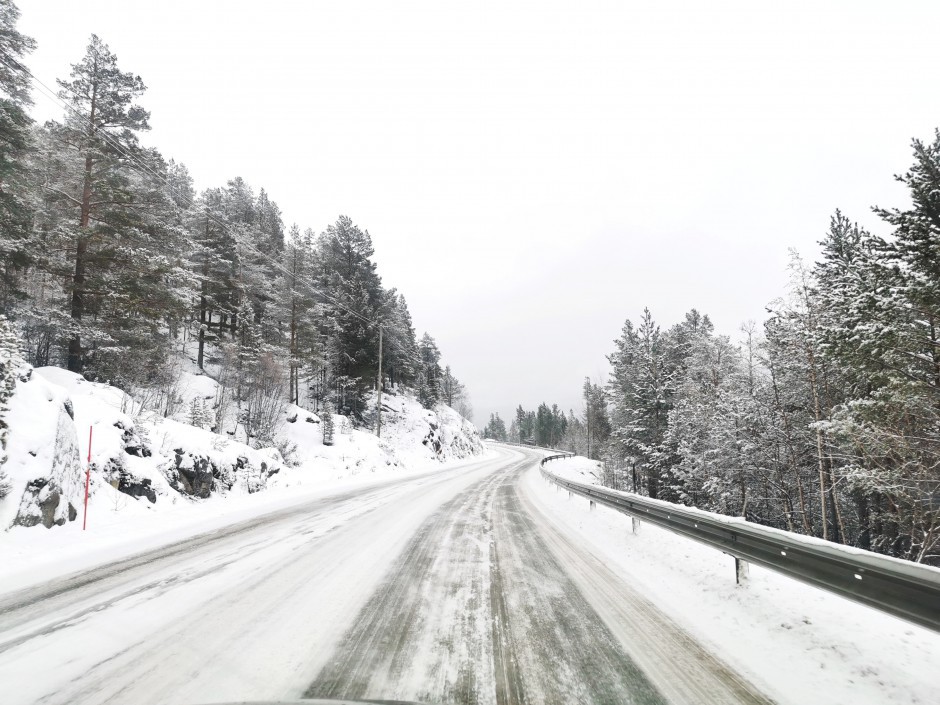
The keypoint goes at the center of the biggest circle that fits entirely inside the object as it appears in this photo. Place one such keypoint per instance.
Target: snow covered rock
(43, 464)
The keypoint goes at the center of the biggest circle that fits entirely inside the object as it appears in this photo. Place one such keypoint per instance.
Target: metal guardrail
(901, 588)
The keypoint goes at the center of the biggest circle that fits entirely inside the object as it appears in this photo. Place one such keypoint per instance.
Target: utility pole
(378, 423)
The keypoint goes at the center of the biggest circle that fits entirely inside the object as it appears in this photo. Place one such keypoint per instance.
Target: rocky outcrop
(199, 475)
(433, 439)
(132, 441)
(51, 498)
(42, 503)
(136, 487)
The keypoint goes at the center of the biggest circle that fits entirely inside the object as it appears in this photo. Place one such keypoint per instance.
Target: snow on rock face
(142, 461)
(412, 437)
(152, 456)
(457, 437)
(217, 464)
(43, 461)
(413, 433)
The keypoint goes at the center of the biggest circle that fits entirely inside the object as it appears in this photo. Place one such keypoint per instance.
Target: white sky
(534, 173)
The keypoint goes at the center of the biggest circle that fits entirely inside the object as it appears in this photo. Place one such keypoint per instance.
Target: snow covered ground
(157, 480)
(797, 643)
(438, 588)
(248, 611)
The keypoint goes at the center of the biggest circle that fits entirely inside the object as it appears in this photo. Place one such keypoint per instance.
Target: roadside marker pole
(87, 479)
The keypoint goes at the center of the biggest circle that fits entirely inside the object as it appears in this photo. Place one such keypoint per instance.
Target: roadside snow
(157, 480)
(799, 644)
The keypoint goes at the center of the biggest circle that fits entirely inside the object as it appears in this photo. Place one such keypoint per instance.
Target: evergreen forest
(113, 265)
(823, 421)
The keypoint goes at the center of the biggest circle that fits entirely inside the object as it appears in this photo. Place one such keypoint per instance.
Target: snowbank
(798, 643)
(142, 463)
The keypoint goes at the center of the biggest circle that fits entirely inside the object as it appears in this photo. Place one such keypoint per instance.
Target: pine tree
(102, 128)
(213, 261)
(16, 248)
(299, 308)
(347, 275)
(913, 256)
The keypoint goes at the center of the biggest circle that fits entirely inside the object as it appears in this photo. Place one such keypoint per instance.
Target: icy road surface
(451, 588)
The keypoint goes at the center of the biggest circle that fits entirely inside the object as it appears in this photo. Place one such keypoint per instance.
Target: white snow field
(797, 643)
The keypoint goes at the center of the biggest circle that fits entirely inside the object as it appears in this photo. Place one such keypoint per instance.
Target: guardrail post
(636, 524)
(740, 571)
(592, 505)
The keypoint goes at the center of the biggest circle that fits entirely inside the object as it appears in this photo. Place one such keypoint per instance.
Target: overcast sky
(532, 174)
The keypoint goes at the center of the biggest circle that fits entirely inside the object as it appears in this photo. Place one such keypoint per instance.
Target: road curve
(451, 587)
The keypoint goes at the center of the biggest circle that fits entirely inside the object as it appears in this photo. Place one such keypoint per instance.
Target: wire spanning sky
(532, 174)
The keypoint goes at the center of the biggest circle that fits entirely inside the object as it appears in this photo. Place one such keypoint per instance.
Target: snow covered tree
(10, 366)
(709, 428)
(496, 428)
(641, 390)
(15, 208)
(213, 262)
(400, 350)
(430, 375)
(101, 126)
(454, 393)
(298, 307)
(326, 422)
(346, 273)
(199, 415)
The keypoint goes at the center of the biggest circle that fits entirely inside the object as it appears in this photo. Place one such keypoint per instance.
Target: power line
(107, 137)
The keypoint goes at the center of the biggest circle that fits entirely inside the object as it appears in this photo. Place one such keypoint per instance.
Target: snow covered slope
(143, 463)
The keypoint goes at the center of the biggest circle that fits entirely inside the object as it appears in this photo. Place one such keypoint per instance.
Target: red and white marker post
(87, 479)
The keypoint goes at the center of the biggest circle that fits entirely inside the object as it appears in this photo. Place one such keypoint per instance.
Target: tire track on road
(477, 610)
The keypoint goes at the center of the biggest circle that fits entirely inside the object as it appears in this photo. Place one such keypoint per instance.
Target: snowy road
(451, 587)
